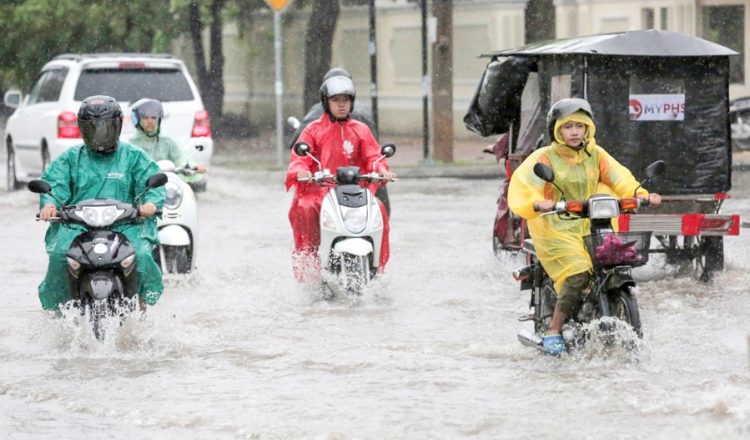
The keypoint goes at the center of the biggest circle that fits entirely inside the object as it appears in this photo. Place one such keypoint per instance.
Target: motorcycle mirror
(293, 122)
(655, 169)
(157, 180)
(301, 149)
(388, 150)
(39, 186)
(544, 172)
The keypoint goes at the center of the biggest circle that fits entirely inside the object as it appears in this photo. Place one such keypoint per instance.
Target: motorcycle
(613, 255)
(101, 262)
(178, 226)
(351, 225)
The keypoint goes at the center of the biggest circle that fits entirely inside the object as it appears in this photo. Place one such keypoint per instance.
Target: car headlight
(355, 219)
(604, 208)
(174, 195)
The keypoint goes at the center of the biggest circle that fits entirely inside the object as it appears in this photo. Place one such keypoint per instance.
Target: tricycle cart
(656, 95)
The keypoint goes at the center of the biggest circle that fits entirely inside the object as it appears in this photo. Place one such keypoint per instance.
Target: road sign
(278, 5)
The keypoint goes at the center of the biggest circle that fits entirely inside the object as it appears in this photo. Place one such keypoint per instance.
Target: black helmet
(100, 122)
(146, 108)
(337, 81)
(566, 107)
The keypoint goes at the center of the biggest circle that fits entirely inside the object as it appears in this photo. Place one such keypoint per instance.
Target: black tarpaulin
(497, 101)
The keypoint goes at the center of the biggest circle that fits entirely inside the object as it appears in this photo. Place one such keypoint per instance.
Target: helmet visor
(100, 135)
(150, 109)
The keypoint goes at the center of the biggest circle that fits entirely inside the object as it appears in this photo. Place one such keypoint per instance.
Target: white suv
(44, 123)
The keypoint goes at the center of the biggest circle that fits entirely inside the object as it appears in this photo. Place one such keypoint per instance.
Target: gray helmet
(145, 108)
(566, 107)
(336, 81)
(100, 122)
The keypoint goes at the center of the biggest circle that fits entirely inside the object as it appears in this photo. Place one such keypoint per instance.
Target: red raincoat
(335, 144)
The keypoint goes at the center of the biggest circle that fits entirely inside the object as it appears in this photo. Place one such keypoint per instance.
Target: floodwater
(239, 350)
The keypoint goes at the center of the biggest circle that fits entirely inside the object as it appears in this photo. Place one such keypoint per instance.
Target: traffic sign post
(278, 6)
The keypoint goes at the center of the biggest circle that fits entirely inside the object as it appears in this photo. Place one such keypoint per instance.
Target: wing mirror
(301, 149)
(655, 169)
(157, 180)
(388, 150)
(544, 172)
(40, 187)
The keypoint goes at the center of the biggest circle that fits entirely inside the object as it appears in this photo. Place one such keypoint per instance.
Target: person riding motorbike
(101, 167)
(582, 168)
(336, 140)
(146, 115)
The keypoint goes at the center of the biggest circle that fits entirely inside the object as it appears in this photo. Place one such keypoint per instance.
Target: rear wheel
(709, 258)
(12, 183)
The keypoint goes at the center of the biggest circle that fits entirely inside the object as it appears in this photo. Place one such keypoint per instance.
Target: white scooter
(178, 226)
(351, 225)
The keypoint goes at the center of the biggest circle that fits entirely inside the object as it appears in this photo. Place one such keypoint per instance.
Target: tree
(210, 77)
(34, 31)
(318, 46)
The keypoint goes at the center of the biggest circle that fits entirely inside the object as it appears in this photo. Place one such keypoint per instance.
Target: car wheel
(45, 156)
(12, 182)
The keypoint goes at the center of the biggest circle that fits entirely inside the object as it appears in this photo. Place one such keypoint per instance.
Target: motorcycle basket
(608, 249)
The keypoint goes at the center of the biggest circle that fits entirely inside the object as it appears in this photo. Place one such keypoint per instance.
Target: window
(664, 18)
(725, 25)
(647, 18)
(47, 88)
(128, 85)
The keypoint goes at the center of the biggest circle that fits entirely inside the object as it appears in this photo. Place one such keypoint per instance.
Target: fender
(618, 280)
(174, 235)
(354, 246)
(101, 285)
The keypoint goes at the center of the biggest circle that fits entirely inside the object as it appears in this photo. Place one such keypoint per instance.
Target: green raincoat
(80, 174)
(161, 147)
(559, 243)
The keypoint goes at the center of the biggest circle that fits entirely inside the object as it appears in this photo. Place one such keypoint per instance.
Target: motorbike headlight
(98, 216)
(603, 208)
(355, 219)
(174, 195)
(327, 222)
(74, 266)
(127, 264)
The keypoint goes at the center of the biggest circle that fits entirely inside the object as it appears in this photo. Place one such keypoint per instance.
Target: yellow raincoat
(559, 243)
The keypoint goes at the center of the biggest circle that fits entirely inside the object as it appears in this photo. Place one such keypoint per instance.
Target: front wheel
(624, 307)
(176, 259)
(355, 270)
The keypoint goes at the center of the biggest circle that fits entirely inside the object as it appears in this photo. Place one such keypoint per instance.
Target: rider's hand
(147, 210)
(544, 205)
(201, 169)
(48, 212)
(654, 199)
(389, 176)
(304, 174)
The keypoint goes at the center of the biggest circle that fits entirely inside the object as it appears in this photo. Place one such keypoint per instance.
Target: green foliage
(37, 30)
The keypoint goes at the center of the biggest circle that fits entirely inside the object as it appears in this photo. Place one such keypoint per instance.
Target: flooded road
(240, 350)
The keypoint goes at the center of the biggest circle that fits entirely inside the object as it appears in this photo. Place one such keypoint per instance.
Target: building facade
(479, 26)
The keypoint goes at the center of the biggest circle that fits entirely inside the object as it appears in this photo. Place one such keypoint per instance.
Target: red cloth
(335, 144)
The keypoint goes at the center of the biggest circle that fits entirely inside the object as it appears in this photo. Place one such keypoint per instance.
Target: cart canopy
(655, 95)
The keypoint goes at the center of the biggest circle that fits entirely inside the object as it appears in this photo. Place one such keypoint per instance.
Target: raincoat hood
(588, 140)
